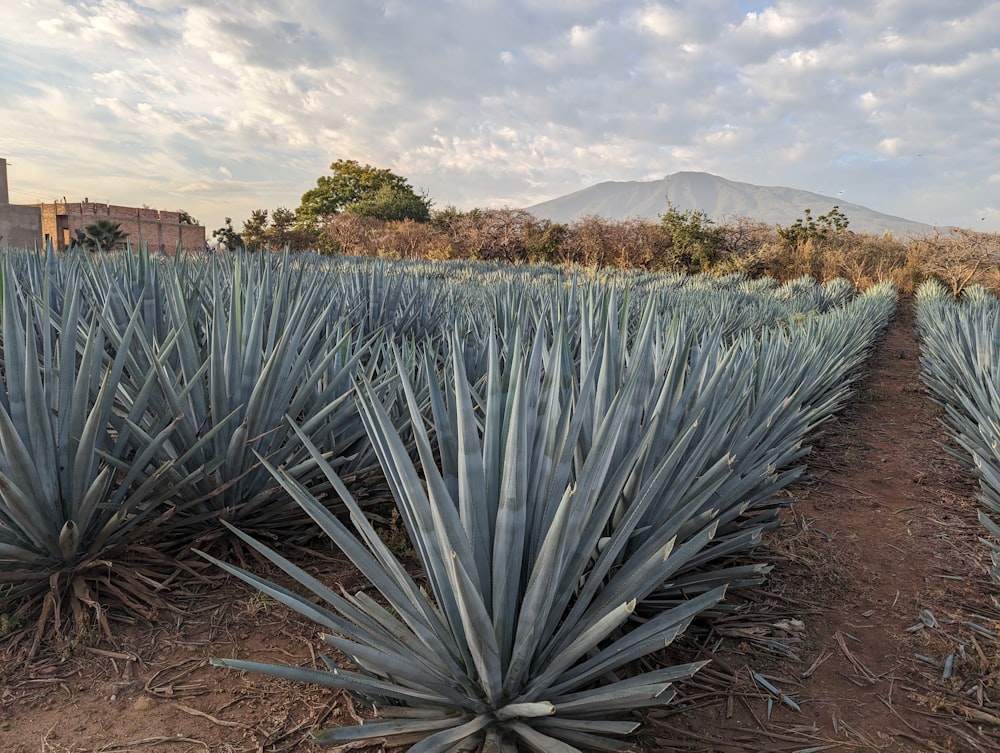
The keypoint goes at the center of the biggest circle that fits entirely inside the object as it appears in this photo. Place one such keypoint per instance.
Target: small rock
(141, 703)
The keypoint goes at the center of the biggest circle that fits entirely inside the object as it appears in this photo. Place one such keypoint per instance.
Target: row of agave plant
(578, 463)
(568, 498)
(960, 346)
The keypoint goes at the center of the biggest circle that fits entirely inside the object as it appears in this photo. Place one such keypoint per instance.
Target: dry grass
(958, 258)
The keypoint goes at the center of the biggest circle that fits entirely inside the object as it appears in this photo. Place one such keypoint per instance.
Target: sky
(220, 107)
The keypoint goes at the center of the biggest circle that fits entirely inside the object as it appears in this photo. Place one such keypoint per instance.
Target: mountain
(717, 197)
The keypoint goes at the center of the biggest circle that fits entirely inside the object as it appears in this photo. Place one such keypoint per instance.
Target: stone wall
(4, 191)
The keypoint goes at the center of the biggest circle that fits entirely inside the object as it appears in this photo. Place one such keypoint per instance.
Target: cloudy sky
(223, 106)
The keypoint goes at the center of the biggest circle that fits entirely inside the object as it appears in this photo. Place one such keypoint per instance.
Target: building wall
(20, 226)
(4, 192)
(161, 231)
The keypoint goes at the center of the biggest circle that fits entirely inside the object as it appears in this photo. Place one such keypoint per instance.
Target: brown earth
(877, 626)
(885, 620)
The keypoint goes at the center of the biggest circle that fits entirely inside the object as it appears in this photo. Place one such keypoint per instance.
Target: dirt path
(883, 570)
(878, 580)
(900, 518)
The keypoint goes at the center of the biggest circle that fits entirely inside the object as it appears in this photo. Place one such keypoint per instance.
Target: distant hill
(718, 198)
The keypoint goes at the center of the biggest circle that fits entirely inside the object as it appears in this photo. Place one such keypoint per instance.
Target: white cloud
(107, 23)
(728, 135)
(771, 22)
(868, 101)
(889, 147)
(233, 105)
(663, 21)
(581, 36)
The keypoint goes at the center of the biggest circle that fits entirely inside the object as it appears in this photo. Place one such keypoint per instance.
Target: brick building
(161, 231)
(31, 225)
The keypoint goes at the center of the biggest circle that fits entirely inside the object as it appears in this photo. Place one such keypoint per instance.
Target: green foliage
(696, 241)
(255, 230)
(103, 235)
(543, 240)
(80, 240)
(9, 623)
(277, 232)
(811, 228)
(186, 218)
(227, 237)
(392, 204)
(282, 223)
(443, 219)
(379, 192)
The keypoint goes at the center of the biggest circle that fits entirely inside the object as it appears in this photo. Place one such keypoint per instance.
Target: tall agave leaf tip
(668, 548)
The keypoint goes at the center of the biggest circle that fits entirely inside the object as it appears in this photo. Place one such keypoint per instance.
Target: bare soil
(876, 631)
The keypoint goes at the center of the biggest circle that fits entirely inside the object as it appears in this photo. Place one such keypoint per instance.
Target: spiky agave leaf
(62, 506)
(273, 344)
(486, 655)
(725, 418)
(959, 346)
(786, 385)
(566, 486)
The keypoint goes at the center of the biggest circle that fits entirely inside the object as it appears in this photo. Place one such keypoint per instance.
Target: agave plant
(730, 418)
(516, 642)
(380, 296)
(270, 345)
(64, 510)
(959, 346)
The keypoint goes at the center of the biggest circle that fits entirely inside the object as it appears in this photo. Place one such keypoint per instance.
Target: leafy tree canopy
(814, 228)
(227, 237)
(362, 189)
(391, 203)
(694, 237)
(255, 230)
(103, 235)
(276, 230)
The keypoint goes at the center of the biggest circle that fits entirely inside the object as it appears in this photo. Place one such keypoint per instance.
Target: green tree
(79, 240)
(227, 237)
(255, 230)
(352, 183)
(186, 218)
(282, 221)
(694, 237)
(286, 230)
(392, 204)
(103, 235)
(543, 240)
(275, 230)
(809, 228)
